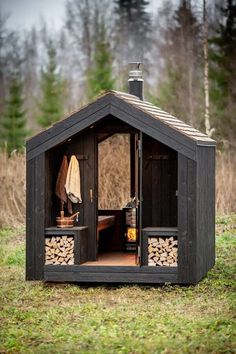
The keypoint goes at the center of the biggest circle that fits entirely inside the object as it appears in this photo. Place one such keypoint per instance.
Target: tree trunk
(209, 130)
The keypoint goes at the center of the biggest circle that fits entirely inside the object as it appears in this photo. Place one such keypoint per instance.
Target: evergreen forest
(188, 49)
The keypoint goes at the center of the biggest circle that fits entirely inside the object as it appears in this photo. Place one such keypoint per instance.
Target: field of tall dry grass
(12, 189)
(113, 181)
(226, 182)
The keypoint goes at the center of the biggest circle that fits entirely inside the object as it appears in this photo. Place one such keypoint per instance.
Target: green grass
(39, 318)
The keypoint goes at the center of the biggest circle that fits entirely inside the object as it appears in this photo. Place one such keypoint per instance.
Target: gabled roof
(130, 109)
(164, 117)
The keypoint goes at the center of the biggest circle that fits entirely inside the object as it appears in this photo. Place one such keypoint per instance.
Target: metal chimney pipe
(136, 80)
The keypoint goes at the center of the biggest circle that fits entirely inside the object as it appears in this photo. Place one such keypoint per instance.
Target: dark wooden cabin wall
(35, 213)
(132, 165)
(49, 205)
(73, 147)
(80, 144)
(187, 212)
(53, 160)
(109, 274)
(159, 184)
(111, 125)
(206, 210)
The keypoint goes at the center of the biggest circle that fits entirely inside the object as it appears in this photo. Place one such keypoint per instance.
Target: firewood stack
(162, 251)
(59, 250)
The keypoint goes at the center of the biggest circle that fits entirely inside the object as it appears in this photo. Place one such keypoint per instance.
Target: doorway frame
(135, 178)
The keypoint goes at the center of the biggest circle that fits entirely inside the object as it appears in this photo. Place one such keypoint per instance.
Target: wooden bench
(105, 221)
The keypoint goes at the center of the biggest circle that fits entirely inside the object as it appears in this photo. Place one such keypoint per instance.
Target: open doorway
(116, 232)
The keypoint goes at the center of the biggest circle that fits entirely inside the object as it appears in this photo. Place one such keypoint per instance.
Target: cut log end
(162, 251)
(59, 250)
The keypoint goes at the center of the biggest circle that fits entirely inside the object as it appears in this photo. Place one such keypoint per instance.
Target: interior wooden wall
(159, 184)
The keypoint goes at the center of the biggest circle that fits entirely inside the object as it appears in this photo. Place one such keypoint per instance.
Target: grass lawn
(40, 318)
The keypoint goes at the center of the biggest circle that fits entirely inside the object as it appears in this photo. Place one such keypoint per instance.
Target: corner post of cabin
(187, 214)
(205, 251)
(35, 216)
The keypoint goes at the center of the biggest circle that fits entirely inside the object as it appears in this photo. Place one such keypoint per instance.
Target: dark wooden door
(138, 193)
(159, 184)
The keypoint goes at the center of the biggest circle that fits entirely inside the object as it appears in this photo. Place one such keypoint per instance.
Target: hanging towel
(73, 188)
(60, 184)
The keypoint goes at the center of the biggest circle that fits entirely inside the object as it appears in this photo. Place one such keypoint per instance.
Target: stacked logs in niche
(59, 250)
(162, 251)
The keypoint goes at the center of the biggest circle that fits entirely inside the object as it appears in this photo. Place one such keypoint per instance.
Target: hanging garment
(60, 185)
(73, 187)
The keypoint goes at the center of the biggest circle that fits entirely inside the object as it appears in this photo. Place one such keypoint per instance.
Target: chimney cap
(136, 63)
(135, 73)
(136, 79)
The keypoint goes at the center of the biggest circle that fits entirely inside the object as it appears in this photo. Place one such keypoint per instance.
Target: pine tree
(133, 28)
(14, 122)
(100, 76)
(52, 86)
(7, 37)
(223, 72)
(169, 97)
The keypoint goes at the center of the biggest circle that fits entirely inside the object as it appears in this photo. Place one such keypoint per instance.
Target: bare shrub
(226, 182)
(12, 189)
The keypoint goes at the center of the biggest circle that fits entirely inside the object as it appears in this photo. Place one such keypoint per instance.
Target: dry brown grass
(114, 189)
(114, 172)
(12, 189)
(226, 182)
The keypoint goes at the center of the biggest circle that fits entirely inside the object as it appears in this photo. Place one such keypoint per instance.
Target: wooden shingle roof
(163, 116)
(142, 115)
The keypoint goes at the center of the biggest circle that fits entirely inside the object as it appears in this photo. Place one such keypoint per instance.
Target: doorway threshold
(113, 259)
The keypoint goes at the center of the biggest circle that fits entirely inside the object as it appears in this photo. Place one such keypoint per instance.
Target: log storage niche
(167, 235)
(160, 246)
(162, 251)
(59, 250)
(66, 246)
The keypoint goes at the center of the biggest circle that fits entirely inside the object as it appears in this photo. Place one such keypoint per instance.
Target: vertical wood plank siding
(90, 182)
(30, 185)
(186, 220)
(159, 184)
(206, 210)
(35, 180)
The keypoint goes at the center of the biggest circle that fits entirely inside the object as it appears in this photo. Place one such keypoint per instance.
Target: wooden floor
(114, 259)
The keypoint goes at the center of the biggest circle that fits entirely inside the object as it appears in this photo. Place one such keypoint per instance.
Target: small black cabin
(166, 235)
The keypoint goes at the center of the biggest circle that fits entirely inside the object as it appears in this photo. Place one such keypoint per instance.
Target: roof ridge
(143, 106)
